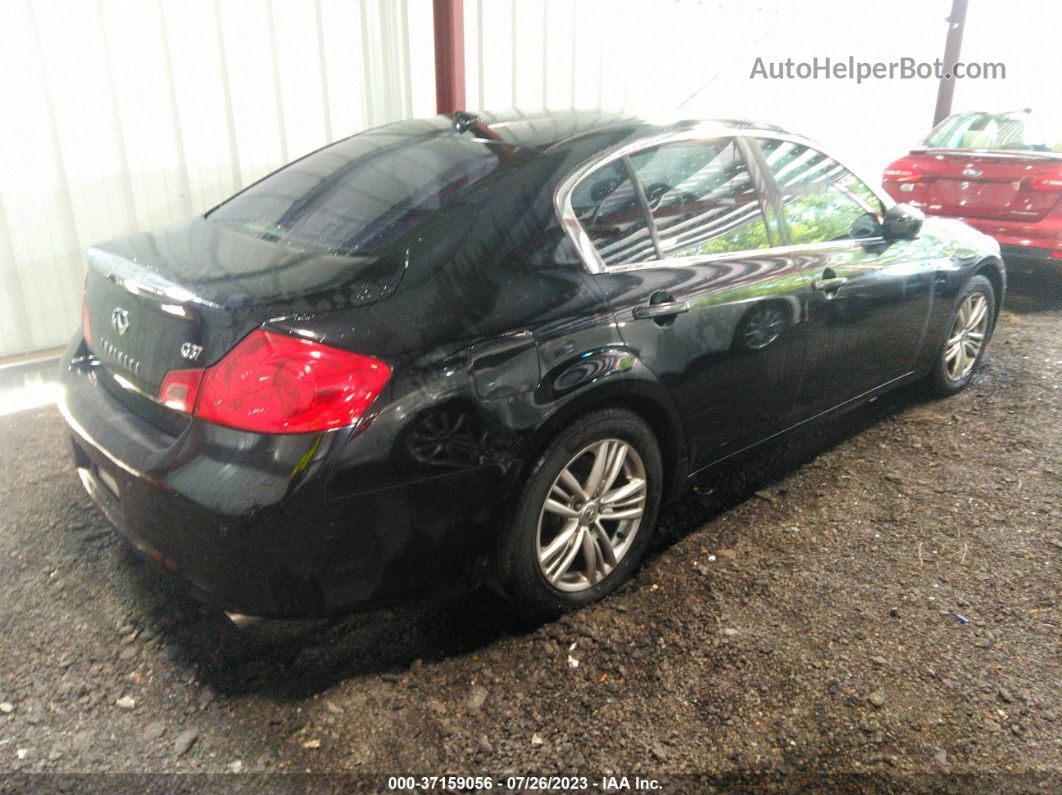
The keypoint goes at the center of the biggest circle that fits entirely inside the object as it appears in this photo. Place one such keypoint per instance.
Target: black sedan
(487, 343)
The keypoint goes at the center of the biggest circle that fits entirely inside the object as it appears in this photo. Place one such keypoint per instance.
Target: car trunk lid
(1004, 186)
(183, 296)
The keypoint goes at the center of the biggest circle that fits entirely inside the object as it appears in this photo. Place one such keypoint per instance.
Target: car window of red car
(1021, 131)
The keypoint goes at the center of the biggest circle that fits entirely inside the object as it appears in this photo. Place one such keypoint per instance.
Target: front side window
(701, 198)
(822, 200)
(607, 205)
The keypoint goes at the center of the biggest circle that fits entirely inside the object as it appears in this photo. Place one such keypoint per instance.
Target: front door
(869, 298)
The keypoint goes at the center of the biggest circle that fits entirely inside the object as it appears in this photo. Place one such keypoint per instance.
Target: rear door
(869, 298)
(696, 292)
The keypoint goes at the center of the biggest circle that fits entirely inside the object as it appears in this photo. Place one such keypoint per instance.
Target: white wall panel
(197, 87)
(298, 77)
(39, 241)
(120, 115)
(339, 26)
(693, 58)
(421, 56)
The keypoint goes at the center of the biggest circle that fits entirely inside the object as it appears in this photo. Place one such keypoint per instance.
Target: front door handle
(666, 309)
(829, 285)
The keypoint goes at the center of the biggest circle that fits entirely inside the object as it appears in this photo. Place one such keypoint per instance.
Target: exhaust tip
(241, 621)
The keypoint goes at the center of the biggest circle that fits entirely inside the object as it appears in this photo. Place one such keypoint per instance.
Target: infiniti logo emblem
(970, 171)
(120, 320)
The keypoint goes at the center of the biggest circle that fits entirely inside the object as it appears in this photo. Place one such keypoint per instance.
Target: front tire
(967, 333)
(584, 519)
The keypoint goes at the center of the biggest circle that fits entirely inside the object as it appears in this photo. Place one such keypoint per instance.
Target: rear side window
(361, 194)
(822, 200)
(701, 198)
(607, 205)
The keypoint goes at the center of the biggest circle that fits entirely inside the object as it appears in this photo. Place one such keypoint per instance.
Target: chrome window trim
(752, 253)
(584, 246)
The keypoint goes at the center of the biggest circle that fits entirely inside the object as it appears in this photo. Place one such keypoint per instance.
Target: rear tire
(966, 337)
(584, 519)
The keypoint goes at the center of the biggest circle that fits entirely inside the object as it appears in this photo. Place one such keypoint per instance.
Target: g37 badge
(191, 351)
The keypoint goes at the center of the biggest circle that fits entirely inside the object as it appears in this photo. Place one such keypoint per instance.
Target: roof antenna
(464, 120)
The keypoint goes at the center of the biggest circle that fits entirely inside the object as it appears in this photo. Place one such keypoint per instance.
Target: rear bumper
(1031, 258)
(1032, 246)
(244, 521)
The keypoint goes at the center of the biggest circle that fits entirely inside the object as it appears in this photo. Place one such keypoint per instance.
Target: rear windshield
(1023, 131)
(363, 193)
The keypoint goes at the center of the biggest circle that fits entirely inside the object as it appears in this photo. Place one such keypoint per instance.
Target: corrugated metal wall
(120, 115)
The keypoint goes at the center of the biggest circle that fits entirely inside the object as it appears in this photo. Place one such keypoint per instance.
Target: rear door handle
(667, 309)
(829, 285)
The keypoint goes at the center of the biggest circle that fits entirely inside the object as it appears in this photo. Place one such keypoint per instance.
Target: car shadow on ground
(297, 659)
(1033, 292)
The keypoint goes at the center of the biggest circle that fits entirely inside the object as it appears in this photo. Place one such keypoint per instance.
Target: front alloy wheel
(967, 336)
(967, 333)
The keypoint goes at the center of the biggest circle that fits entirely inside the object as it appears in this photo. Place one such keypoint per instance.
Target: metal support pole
(449, 17)
(956, 23)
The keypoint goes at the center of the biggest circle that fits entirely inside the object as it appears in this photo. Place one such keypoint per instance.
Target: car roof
(547, 128)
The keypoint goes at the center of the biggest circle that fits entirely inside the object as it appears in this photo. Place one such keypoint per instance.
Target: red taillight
(902, 171)
(274, 383)
(86, 321)
(1050, 181)
(180, 388)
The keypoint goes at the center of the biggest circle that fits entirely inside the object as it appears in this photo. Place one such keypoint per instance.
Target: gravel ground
(875, 602)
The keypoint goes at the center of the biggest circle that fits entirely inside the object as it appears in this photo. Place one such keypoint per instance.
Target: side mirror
(866, 225)
(902, 222)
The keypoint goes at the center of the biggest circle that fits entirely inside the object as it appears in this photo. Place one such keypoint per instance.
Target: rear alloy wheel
(591, 515)
(584, 518)
(968, 331)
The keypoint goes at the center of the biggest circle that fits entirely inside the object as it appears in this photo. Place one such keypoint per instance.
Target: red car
(1000, 173)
